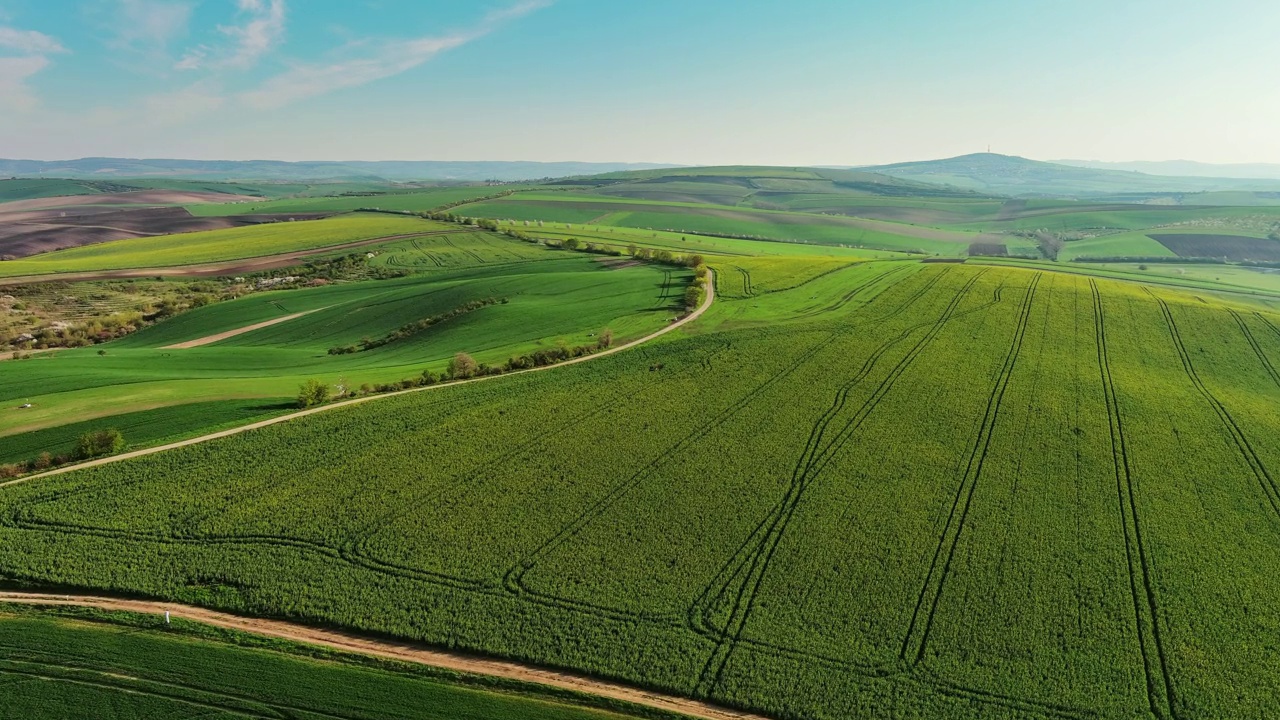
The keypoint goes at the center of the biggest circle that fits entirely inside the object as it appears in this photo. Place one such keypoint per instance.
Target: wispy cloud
(392, 58)
(146, 26)
(32, 50)
(175, 107)
(260, 32)
(14, 72)
(29, 42)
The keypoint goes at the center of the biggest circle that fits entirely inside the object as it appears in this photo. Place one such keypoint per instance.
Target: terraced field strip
(1160, 696)
(917, 637)
(707, 300)
(391, 650)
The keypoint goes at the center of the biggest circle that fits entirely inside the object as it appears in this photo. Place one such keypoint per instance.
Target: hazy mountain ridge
(395, 170)
(1184, 168)
(1017, 176)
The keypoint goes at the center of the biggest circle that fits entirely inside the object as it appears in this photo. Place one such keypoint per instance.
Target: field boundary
(707, 301)
(392, 650)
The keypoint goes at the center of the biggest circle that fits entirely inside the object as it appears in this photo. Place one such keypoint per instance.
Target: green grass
(144, 428)
(411, 201)
(218, 245)
(688, 217)
(918, 491)
(564, 298)
(68, 664)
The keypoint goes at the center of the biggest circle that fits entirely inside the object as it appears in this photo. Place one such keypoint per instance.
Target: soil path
(391, 650)
(218, 269)
(208, 339)
(706, 303)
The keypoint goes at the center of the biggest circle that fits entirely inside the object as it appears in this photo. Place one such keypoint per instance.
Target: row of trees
(313, 392)
(413, 328)
(95, 444)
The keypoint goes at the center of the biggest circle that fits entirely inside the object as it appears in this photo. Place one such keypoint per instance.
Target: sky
(694, 82)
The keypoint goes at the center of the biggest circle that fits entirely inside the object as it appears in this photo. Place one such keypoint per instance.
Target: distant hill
(1184, 168)
(1008, 175)
(273, 170)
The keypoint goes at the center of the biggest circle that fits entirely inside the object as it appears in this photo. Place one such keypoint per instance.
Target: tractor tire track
(808, 468)
(922, 619)
(1160, 695)
(1257, 349)
(1245, 448)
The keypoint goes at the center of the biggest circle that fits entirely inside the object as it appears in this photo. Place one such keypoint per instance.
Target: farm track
(514, 579)
(706, 304)
(812, 462)
(917, 637)
(1257, 349)
(210, 339)
(700, 612)
(391, 650)
(1265, 481)
(357, 549)
(1160, 694)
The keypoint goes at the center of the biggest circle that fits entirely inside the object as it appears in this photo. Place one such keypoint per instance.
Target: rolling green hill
(1007, 175)
(907, 489)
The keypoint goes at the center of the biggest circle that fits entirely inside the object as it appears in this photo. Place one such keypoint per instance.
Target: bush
(463, 366)
(312, 393)
(99, 443)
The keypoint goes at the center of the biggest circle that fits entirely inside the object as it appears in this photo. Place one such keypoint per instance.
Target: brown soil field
(988, 249)
(140, 197)
(1230, 247)
(38, 231)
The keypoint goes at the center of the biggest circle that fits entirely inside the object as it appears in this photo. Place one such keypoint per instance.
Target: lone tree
(99, 443)
(312, 393)
(463, 366)
(605, 340)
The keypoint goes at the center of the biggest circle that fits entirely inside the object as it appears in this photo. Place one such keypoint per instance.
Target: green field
(218, 245)
(411, 201)
(69, 664)
(550, 298)
(919, 491)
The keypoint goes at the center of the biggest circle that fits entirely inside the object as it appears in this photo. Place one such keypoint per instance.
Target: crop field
(59, 666)
(411, 201)
(712, 219)
(144, 427)
(1227, 247)
(564, 298)
(220, 245)
(920, 490)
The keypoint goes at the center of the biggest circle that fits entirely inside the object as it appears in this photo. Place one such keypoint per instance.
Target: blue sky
(683, 81)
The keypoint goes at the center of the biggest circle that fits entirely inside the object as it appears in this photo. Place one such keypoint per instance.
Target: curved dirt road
(706, 303)
(403, 652)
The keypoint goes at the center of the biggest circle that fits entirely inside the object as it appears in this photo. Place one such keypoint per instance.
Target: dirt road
(210, 339)
(403, 652)
(706, 303)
